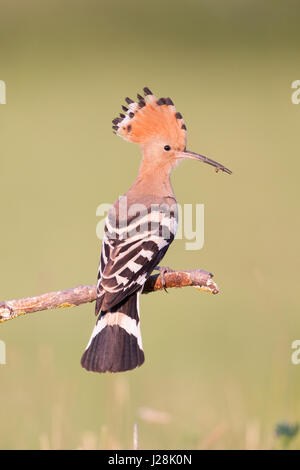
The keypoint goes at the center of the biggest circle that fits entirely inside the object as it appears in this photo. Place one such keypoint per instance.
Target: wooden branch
(11, 309)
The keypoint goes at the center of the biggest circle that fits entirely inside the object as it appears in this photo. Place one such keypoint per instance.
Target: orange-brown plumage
(151, 118)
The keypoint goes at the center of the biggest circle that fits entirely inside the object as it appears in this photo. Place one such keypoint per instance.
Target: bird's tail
(116, 342)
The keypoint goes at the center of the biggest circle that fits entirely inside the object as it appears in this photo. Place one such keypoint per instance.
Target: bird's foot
(163, 270)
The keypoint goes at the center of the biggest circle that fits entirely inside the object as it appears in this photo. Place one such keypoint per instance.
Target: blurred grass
(218, 365)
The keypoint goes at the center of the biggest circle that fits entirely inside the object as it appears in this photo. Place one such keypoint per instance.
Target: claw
(163, 270)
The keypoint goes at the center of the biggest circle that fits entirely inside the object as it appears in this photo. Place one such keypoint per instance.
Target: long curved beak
(201, 158)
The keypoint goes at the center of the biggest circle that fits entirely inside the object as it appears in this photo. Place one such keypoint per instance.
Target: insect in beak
(201, 158)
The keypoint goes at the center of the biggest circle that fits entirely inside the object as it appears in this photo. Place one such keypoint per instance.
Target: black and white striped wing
(106, 253)
(126, 264)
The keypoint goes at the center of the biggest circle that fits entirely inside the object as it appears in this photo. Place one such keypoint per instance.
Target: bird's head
(159, 129)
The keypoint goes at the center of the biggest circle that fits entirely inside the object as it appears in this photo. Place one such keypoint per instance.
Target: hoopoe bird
(133, 245)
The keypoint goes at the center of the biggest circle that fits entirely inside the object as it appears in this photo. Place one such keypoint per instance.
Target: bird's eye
(167, 147)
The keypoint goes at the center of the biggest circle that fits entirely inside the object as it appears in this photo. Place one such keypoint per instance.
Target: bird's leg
(163, 270)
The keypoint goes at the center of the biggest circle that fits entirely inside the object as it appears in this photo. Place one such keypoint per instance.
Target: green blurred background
(218, 368)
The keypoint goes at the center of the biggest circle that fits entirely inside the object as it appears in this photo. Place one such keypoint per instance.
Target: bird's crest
(149, 118)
